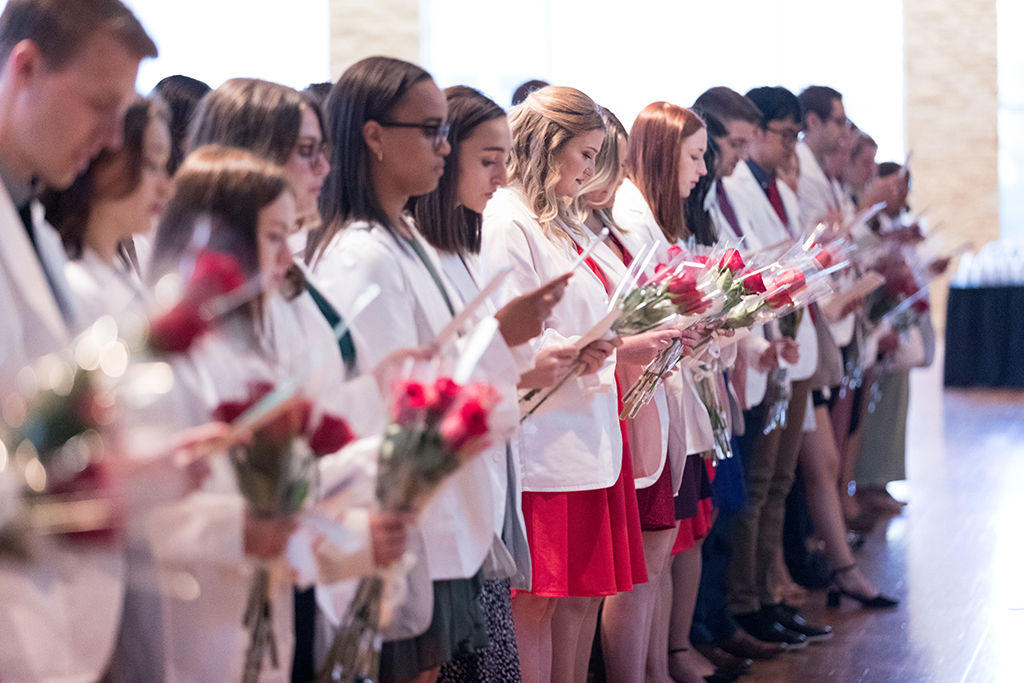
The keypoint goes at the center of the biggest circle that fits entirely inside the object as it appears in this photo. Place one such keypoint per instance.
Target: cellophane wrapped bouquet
(436, 426)
(276, 473)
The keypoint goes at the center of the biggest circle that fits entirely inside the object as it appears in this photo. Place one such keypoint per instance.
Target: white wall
(628, 53)
(214, 40)
(1010, 15)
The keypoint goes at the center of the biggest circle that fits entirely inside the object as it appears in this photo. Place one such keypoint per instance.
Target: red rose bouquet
(436, 426)
(276, 470)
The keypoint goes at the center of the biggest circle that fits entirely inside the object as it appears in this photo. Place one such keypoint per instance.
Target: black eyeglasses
(436, 131)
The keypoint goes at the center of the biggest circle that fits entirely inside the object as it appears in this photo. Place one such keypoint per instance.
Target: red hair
(653, 160)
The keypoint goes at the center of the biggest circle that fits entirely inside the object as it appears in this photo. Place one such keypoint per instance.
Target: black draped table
(985, 337)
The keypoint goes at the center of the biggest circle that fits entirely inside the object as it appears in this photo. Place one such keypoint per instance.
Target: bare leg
(573, 625)
(685, 663)
(657, 653)
(532, 618)
(819, 461)
(628, 616)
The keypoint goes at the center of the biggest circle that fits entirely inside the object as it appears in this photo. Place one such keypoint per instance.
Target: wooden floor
(955, 558)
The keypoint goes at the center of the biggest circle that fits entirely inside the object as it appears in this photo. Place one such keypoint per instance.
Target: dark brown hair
(652, 163)
(369, 90)
(229, 187)
(448, 227)
(258, 116)
(112, 175)
(726, 105)
(60, 28)
(818, 99)
(182, 95)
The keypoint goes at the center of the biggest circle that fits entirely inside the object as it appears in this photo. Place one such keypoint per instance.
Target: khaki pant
(770, 464)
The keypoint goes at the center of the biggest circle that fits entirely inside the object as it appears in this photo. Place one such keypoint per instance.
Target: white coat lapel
(26, 273)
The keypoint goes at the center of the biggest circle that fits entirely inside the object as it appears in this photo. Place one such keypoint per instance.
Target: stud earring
(380, 156)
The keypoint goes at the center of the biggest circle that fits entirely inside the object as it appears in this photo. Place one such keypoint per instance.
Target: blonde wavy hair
(606, 168)
(541, 126)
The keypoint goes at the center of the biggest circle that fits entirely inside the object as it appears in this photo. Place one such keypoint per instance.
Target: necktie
(726, 206)
(775, 199)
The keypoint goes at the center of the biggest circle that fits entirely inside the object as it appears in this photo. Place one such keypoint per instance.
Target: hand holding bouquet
(436, 426)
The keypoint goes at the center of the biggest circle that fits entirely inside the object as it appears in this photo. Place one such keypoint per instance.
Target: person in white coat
(388, 124)
(58, 613)
(769, 214)
(824, 152)
(487, 500)
(578, 499)
(286, 127)
(627, 617)
(212, 535)
(122, 194)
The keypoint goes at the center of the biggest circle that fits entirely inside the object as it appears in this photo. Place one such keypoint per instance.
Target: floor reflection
(955, 557)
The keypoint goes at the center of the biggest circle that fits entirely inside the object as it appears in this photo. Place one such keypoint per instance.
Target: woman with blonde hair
(578, 498)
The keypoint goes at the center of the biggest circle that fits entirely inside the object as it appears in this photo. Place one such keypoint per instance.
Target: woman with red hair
(665, 159)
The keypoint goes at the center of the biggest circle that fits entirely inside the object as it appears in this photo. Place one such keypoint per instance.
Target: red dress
(587, 543)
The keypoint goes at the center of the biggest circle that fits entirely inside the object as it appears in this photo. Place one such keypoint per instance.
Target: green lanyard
(418, 248)
(345, 345)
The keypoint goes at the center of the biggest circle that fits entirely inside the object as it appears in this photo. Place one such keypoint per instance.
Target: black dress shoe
(764, 627)
(794, 622)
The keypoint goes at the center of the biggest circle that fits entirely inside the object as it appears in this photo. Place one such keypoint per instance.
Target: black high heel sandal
(836, 592)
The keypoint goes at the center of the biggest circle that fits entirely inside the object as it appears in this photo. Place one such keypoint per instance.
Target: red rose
(468, 421)
(177, 329)
(446, 391)
(788, 283)
(921, 306)
(701, 259)
(754, 283)
(331, 436)
(215, 274)
(685, 296)
(732, 260)
(823, 258)
(229, 411)
(658, 268)
(411, 398)
(674, 251)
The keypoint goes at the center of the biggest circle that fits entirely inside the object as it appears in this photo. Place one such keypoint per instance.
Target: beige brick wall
(951, 120)
(362, 28)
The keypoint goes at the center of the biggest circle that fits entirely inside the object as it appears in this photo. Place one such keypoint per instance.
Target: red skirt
(693, 529)
(586, 543)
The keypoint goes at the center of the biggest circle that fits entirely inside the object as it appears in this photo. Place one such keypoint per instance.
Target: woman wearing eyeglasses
(388, 121)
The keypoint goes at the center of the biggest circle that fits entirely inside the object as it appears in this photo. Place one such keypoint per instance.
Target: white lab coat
(690, 428)
(201, 535)
(763, 228)
(58, 613)
(573, 442)
(818, 195)
(648, 431)
(458, 524)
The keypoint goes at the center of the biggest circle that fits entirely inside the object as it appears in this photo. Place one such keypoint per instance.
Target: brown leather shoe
(746, 646)
(724, 660)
